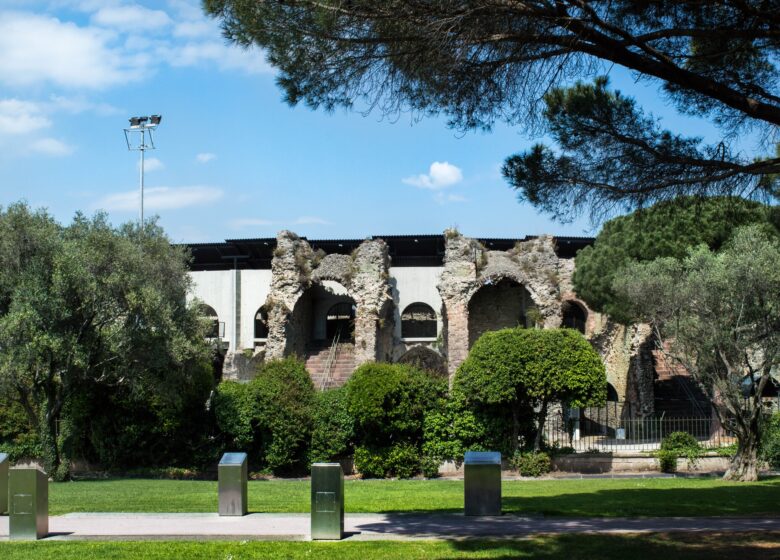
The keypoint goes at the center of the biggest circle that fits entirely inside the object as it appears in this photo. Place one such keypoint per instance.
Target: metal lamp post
(139, 128)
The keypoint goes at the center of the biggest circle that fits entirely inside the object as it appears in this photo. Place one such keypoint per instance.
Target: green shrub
(682, 444)
(389, 402)
(769, 449)
(453, 427)
(667, 460)
(679, 441)
(401, 460)
(529, 463)
(371, 463)
(429, 466)
(270, 417)
(333, 431)
(17, 437)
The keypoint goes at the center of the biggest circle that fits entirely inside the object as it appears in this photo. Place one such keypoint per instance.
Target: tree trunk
(540, 420)
(515, 429)
(54, 463)
(744, 464)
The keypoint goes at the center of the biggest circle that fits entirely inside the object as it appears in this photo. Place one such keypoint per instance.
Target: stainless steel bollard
(232, 485)
(28, 492)
(327, 501)
(482, 483)
(3, 483)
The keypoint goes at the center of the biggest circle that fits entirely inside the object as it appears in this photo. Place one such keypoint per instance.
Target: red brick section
(343, 365)
(666, 369)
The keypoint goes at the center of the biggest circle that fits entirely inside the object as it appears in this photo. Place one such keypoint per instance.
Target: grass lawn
(590, 497)
(571, 547)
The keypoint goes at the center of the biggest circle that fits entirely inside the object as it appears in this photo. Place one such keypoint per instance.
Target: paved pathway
(268, 526)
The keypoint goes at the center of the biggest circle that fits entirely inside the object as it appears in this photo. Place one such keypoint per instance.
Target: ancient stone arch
(296, 268)
(469, 267)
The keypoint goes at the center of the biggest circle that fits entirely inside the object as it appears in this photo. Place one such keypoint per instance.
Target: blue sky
(232, 159)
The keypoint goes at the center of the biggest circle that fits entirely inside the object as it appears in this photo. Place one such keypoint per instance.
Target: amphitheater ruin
(414, 299)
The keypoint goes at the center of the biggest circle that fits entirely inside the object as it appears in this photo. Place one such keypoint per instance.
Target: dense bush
(667, 460)
(452, 428)
(333, 432)
(271, 416)
(770, 441)
(530, 463)
(401, 460)
(147, 426)
(678, 444)
(389, 403)
(17, 436)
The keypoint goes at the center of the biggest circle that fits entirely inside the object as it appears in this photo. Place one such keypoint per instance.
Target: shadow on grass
(733, 499)
(669, 546)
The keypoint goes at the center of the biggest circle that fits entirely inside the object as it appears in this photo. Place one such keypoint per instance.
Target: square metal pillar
(232, 486)
(327, 501)
(28, 492)
(3, 483)
(482, 483)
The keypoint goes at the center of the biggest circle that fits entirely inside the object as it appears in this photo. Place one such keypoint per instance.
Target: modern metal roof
(405, 250)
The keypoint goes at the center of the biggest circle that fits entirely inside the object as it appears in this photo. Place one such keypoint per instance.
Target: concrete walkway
(270, 526)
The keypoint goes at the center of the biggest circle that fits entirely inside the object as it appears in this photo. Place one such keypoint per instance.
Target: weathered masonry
(422, 299)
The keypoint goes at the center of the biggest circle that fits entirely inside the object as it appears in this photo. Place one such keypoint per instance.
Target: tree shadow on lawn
(669, 546)
(728, 500)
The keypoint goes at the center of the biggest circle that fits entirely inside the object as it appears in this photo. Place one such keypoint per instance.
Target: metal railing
(612, 430)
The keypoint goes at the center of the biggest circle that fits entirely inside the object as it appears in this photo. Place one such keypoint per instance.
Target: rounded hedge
(389, 402)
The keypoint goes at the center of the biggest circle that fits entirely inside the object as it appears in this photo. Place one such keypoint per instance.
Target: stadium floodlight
(136, 138)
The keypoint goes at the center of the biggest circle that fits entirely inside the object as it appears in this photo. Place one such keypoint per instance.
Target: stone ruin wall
(468, 266)
(364, 274)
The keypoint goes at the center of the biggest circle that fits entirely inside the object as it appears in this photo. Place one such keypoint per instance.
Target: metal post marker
(3, 483)
(327, 501)
(142, 125)
(232, 485)
(482, 483)
(28, 490)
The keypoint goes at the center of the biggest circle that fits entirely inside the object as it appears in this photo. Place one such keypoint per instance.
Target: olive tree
(511, 368)
(90, 304)
(718, 316)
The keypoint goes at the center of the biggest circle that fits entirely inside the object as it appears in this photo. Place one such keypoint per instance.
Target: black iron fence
(614, 429)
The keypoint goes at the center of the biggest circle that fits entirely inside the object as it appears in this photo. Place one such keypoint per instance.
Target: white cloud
(312, 220)
(132, 17)
(42, 49)
(51, 147)
(241, 223)
(160, 198)
(441, 175)
(152, 164)
(21, 117)
(205, 157)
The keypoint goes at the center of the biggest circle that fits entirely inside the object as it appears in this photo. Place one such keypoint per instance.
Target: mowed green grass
(570, 547)
(589, 497)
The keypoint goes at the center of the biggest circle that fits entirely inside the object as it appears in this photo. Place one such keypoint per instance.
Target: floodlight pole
(142, 125)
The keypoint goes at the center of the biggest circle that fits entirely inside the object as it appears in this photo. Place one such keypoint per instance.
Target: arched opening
(612, 394)
(418, 320)
(261, 324)
(340, 322)
(216, 329)
(500, 305)
(322, 311)
(574, 316)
